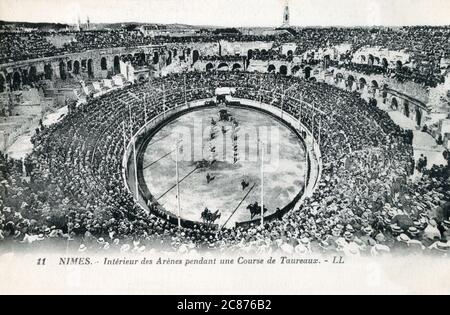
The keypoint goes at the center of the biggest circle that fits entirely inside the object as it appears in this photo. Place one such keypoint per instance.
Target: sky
(239, 13)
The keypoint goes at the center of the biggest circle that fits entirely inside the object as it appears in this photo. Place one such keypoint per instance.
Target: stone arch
(141, 78)
(283, 70)
(169, 58)
(351, 82)
(195, 56)
(362, 83)
(271, 68)
(371, 60)
(83, 65)
(237, 67)
(116, 64)
(385, 92)
(69, 65)
(90, 67)
(104, 64)
(295, 69)
(223, 67)
(142, 58)
(418, 117)
(290, 53)
(308, 71)
(175, 53)
(25, 80)
(363, 59)
(2, 83)
(62, 70)
(375, 85)
(48, 71)
(76, 67)
(32, 74)
(16, 81)
(406, 108)
(394, 103)
(209, 67)
(385, 63)
(399, 65)
(155, 57)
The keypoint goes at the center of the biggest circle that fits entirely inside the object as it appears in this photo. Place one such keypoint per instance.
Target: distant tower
(78, 24)
(88, 23)
(286, 16)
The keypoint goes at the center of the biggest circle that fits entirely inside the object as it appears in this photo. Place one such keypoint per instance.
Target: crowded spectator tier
(72, 187)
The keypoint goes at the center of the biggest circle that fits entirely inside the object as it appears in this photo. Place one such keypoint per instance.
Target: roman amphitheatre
(299, 140)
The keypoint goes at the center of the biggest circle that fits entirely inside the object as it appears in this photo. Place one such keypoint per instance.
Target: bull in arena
(255, 210)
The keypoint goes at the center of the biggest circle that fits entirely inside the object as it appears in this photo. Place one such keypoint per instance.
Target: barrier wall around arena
(143, 197)
(314, 157)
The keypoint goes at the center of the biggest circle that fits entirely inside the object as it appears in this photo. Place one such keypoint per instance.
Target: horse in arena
(209, 217)
(255, 210)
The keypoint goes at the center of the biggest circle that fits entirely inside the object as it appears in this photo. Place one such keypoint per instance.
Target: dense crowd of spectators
(427, 45)
(71, 187)
(22, 46)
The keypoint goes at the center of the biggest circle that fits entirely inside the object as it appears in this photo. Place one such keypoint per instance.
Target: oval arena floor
(284, 170)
